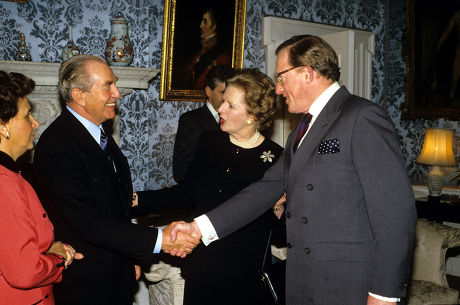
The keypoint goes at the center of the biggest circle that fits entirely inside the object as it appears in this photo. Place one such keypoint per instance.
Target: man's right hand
(181, 227)
(183, 242)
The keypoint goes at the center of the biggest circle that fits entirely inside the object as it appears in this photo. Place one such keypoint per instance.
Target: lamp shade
(437, 148)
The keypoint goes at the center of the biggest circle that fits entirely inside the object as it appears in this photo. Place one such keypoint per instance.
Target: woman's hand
(278, 208)
(71, 255)
(65, 251)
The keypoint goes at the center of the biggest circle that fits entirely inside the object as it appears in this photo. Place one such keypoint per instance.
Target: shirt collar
(92, 128)
(214, 113)
(319, 104)
(323, 99)
(8, 162)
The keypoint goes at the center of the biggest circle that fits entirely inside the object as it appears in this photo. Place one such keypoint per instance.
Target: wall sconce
(437, 152)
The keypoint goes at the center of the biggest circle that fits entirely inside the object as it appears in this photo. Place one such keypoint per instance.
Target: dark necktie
(103, 142)
(105, 147)
(306, 119)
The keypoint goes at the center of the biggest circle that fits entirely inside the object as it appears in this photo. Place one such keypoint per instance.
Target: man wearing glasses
(350, 212)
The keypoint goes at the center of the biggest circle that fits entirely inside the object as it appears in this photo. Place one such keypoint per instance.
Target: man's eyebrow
(109, 82)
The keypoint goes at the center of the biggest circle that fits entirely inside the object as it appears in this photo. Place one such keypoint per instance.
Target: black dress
(226, 271)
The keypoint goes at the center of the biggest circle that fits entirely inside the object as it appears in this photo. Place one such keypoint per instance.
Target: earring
(249, 122)
(7, 133)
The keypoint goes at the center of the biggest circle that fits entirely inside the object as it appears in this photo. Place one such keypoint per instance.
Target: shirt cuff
(207, 230)
(159, 242)
(378, 297)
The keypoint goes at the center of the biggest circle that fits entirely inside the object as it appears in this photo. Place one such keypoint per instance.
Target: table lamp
(437, 152)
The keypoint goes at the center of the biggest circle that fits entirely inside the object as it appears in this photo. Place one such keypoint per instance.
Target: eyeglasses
(278, 75)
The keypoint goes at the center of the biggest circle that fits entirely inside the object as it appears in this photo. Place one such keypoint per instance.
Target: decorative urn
(70, 50)
(119, 50)
(23, 53)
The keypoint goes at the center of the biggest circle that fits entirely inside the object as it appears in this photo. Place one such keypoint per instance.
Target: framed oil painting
(198, 35)
(432, 55)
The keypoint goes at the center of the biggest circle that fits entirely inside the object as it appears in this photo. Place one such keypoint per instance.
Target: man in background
(192, 124)
(165, 274)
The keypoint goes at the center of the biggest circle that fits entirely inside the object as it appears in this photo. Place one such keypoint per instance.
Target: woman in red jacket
(30, 262)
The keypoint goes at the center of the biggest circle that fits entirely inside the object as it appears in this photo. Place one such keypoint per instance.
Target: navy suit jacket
(89, 202)
(350, 213)
(192, 124)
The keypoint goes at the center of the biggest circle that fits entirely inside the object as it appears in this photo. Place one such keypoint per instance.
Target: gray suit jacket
(350, 213)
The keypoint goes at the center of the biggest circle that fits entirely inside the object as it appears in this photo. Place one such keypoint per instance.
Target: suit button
(307, 250)
(220, 191)
(46, 296)
(288, 245)
(310, 187)
(304, 219)
(288, 215)
(44, 215)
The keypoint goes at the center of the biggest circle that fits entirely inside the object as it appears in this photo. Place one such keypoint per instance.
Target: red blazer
(26, 233)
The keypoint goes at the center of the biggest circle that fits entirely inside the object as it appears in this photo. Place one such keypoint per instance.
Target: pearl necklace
(246, 144)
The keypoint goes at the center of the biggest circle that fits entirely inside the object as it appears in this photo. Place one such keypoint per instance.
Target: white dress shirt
(213, 111)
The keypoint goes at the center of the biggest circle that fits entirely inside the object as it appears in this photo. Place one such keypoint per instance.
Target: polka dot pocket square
(329, 147)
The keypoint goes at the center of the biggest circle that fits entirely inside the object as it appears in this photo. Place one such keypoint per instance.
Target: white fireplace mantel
(45, 97)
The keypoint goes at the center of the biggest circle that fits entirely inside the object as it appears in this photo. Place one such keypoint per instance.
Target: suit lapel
(122, 174)
(78, 132)
(322, 124)
(81, 135)
(208, 117)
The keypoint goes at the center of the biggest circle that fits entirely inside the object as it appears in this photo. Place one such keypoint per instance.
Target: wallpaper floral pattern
(412, 132)
(148, 125)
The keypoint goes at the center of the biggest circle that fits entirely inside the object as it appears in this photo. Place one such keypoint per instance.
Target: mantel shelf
(46, 74)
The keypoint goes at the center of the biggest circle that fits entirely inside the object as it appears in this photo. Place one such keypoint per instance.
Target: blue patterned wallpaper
(412, 132)
(148, 126)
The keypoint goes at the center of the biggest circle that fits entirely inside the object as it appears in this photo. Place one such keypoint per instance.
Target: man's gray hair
(73, 74)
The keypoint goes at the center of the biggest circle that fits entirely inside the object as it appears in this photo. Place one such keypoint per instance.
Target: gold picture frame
(432, 58)
(181, 43)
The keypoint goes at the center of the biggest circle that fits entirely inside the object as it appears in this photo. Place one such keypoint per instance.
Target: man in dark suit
(85, 178)
(192, 124)
(350, 212)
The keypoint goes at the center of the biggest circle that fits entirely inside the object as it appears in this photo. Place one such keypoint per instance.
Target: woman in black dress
(227, 272)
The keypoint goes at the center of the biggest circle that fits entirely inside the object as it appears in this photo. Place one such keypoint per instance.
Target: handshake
(180, 238)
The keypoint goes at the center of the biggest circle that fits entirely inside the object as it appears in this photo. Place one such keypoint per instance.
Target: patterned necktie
(105, 148)
(306, 119)
(103, 142)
